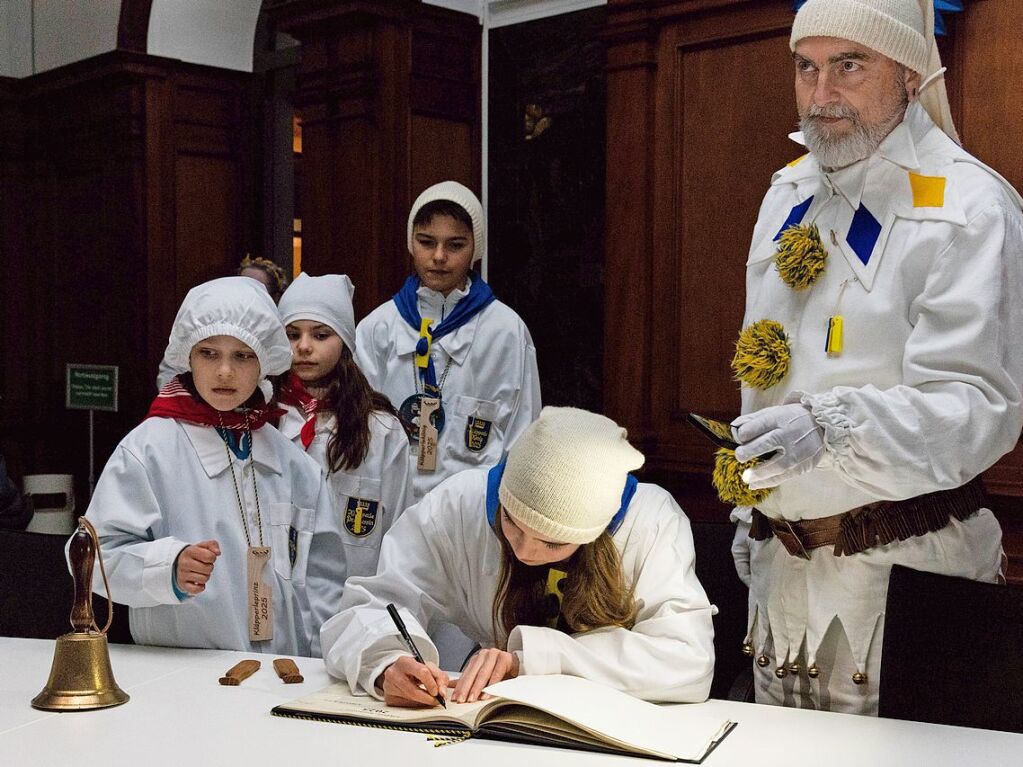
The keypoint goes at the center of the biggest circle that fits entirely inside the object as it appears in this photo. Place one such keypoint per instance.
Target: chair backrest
(36, 590)
(53, 496)
(951, 652)
(716, 571)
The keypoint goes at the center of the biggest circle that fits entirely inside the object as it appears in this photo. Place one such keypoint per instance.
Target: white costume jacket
(168, 485)
(924, 264)
(492, 379)
(368, 498)
(441, 563)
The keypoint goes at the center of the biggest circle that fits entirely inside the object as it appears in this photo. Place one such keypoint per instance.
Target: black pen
(393, 612)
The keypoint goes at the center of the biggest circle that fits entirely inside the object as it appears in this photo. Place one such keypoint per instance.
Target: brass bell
(859, 678)
(794, 668)
(813, 672)
(80, 677)
(747, 649)
(762, 661)
(781, 672)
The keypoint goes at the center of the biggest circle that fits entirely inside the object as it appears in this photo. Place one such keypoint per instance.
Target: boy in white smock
(445, 337)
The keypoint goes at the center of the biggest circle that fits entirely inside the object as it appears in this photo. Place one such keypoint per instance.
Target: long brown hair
(352, 400)
(594, 594)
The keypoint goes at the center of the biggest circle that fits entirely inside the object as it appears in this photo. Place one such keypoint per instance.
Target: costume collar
(455, 344)
(436, 305)
(211, 450)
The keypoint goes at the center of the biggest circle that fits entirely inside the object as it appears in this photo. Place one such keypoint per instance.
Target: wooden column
(388, 96)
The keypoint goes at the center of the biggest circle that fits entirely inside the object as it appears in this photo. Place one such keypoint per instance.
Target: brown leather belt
(875, 524)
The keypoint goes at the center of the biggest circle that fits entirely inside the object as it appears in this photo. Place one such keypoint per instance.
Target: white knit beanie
(239, 307)
(326, 299)
(566, 474)
(454, 192)
(902, 30)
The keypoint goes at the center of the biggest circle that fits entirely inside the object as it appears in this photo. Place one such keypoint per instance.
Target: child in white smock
(331, 412)
(555, 561)
(444, 335)
(216, 530)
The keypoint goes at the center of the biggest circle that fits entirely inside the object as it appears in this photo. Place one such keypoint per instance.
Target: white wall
(36, 35)
(218, 33)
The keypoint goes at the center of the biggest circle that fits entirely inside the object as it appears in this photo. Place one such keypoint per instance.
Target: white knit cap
(902, 30)
(326, 299)
(566, 474)
(454, 192)
(231, 306)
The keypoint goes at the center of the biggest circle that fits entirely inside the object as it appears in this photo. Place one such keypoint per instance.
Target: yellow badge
(928, 191)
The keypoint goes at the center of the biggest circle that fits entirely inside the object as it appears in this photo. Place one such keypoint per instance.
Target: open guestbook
(550, 710)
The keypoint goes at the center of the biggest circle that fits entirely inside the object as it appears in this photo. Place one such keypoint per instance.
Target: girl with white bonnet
(331, 412)
(557, 561)
(216, 530)
(445, 336)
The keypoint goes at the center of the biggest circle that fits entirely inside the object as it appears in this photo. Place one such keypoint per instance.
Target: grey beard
(838, 152)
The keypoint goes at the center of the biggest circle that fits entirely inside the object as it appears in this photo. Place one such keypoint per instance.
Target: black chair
(36, 590)
(733, 675)
(951, 652)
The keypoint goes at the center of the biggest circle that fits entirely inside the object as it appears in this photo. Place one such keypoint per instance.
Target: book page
(681, 731)
(337, 700)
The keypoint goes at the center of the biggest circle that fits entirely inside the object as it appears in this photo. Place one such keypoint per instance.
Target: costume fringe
(801, 256)
(727, 479)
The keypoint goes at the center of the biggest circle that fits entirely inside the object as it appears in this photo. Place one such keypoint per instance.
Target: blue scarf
(493, 502)
(480, 296)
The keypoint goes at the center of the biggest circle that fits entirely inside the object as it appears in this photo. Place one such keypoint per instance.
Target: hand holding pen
(411, 682)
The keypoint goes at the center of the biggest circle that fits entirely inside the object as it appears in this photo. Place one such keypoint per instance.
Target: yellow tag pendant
(423, 349)
(833, 344)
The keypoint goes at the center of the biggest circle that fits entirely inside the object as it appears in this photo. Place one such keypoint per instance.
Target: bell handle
(82, 552)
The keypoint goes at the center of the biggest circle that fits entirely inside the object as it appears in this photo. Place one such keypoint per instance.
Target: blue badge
(409, 411)
(863, 233)
(477, 433)
(361, 516)
(795, 216)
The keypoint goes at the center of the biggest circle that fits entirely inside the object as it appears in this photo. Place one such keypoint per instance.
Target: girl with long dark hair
(332, 412)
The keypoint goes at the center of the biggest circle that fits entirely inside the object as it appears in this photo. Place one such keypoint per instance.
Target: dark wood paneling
(387, 93)
(128, 184)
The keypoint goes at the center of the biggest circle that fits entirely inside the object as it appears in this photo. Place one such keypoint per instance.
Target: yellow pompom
(727, 479)
(761, 355)
(801, 256)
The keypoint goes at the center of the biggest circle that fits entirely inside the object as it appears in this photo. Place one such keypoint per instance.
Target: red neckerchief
(177, 402)
(294, 393)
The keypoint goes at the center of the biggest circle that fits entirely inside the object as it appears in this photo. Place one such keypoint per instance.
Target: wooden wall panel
(129, 183)
(388, 96)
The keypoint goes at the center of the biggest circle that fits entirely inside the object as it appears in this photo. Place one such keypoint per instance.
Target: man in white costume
(885, 272)
(562, 502)
(482, 359)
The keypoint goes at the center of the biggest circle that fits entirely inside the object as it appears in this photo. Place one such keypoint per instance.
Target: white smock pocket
(363, 520)
(477, 430)
(290, 535)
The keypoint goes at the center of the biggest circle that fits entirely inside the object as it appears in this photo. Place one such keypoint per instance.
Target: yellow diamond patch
(928, 191)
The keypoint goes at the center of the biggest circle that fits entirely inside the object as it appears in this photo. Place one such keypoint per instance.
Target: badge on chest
(477, 433)
(361, 516)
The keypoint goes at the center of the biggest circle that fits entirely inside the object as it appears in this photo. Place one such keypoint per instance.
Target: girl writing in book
(445, 336)
(331, 412)
(216, 530)
(556, 561)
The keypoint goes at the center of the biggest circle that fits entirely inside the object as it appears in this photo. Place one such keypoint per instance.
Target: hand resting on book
(486, 667)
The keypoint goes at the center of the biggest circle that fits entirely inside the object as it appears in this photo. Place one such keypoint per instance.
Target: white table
(179, 715)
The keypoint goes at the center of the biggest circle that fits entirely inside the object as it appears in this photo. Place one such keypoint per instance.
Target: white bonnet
(326, 299)
(239, 307)
(463, 196)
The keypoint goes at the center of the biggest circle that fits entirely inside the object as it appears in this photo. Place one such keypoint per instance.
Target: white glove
(788, 431)
(740, 551)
